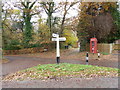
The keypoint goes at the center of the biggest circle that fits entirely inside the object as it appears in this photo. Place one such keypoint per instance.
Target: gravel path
(65, 83)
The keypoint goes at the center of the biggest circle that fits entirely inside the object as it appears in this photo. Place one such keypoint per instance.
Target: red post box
(93, 45)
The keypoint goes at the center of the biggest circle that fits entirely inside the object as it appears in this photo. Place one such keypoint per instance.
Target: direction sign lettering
(54, 35)
(60, 39)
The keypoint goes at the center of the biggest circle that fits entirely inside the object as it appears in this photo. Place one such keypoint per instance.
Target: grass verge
(104, 53)
(53, 71)
(4, 61)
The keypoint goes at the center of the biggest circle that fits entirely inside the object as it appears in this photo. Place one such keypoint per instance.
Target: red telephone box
(93, 45)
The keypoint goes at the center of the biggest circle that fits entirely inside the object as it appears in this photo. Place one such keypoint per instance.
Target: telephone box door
(93, 45)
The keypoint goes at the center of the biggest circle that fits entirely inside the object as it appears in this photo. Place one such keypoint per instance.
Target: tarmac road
(65, 83)
(21, 62)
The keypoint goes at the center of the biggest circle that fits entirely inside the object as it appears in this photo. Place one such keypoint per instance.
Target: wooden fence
(116, 47)
(103, 47)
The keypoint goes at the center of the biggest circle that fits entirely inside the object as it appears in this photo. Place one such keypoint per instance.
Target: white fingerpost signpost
(57, 39)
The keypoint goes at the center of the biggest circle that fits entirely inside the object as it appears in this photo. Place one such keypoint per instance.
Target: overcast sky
(65, 0)
(72, 12)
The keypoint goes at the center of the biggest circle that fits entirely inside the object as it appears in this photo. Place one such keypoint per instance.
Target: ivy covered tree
(116, 17)
(27, 15)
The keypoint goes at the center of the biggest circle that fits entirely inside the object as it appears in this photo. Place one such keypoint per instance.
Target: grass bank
(53, 71)
(4, 60)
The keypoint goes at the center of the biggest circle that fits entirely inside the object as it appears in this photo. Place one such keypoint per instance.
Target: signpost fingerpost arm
(58, 39)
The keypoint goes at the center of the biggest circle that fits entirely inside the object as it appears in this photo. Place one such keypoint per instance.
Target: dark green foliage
(13, 45)
(28, 26)
(27, 33)
(82, 35)
(33, 45)
(116, 16)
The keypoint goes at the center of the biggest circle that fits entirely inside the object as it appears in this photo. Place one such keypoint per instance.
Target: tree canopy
(26, 24)
(96, 19)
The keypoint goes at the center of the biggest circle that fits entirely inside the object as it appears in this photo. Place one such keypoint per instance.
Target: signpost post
(57, 39)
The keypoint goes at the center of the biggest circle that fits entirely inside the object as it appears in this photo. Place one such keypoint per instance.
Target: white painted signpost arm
(57, 39)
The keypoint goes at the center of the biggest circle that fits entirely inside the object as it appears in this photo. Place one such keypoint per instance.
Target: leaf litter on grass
(52, 71)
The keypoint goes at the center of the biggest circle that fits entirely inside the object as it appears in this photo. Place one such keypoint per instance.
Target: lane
(22, 62)
(100, 82)
(19, 63)
(103, 62)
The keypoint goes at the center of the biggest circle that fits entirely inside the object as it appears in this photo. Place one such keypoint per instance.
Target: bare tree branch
(32, 4)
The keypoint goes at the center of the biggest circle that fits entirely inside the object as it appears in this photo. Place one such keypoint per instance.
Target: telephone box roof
(93, 39)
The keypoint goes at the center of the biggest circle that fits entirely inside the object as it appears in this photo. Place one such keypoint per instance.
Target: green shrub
(33, 45)
(13, 45)
(104, 53)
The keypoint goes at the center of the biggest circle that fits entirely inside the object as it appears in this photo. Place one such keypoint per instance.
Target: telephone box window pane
(92, 43)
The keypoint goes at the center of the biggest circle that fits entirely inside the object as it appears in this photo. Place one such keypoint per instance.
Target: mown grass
(50, 71)
(104, 53)
(4, 60)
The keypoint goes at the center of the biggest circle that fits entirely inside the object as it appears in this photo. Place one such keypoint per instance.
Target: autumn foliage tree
(95, 20)
(66, 7)
(11, 27)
